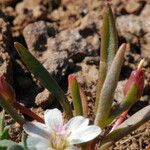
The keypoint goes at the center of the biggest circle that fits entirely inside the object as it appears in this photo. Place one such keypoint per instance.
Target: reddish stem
(92, 145)
(27, 111)
(120, 119)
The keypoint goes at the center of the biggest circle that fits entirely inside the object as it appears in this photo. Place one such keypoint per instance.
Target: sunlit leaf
(109, 46)
(44, 77)
(109, 86)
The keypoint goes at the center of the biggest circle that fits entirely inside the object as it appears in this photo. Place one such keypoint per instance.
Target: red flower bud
(137, 77)
(6, 90)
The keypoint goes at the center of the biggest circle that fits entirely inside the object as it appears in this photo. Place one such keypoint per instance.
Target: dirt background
(65, 36)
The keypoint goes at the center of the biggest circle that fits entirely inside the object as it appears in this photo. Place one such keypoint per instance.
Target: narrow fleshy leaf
(9, 109)
(44, 77)
(75, 93)
(107, 92)
(109, 46)
(126, 127)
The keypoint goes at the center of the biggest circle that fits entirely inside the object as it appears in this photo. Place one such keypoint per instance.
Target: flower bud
(137, 78)
(6, 90)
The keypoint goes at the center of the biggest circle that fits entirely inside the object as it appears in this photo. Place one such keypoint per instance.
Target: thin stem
(119, 120)
(28, 112)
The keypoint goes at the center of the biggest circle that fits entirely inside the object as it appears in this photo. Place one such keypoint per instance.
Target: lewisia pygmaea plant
(52, 133)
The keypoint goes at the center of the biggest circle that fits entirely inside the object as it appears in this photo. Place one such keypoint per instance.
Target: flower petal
(38, 143)
(76, 123)
(53, 119)
(84, 134)
(36, 129)
(72, 148)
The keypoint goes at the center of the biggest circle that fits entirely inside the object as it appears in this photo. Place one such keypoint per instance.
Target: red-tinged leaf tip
(16, 44)
(137, 77)
(71, 77)
(6, 90)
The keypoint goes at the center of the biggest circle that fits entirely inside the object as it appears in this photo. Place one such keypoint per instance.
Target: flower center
(58, 141)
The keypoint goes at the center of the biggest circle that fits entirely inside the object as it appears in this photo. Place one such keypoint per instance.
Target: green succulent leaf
(75, 93)
(44, 77)
(109, 46)
(109, 86)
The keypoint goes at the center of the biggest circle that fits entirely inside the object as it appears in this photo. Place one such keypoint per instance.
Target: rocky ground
(65, 36)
